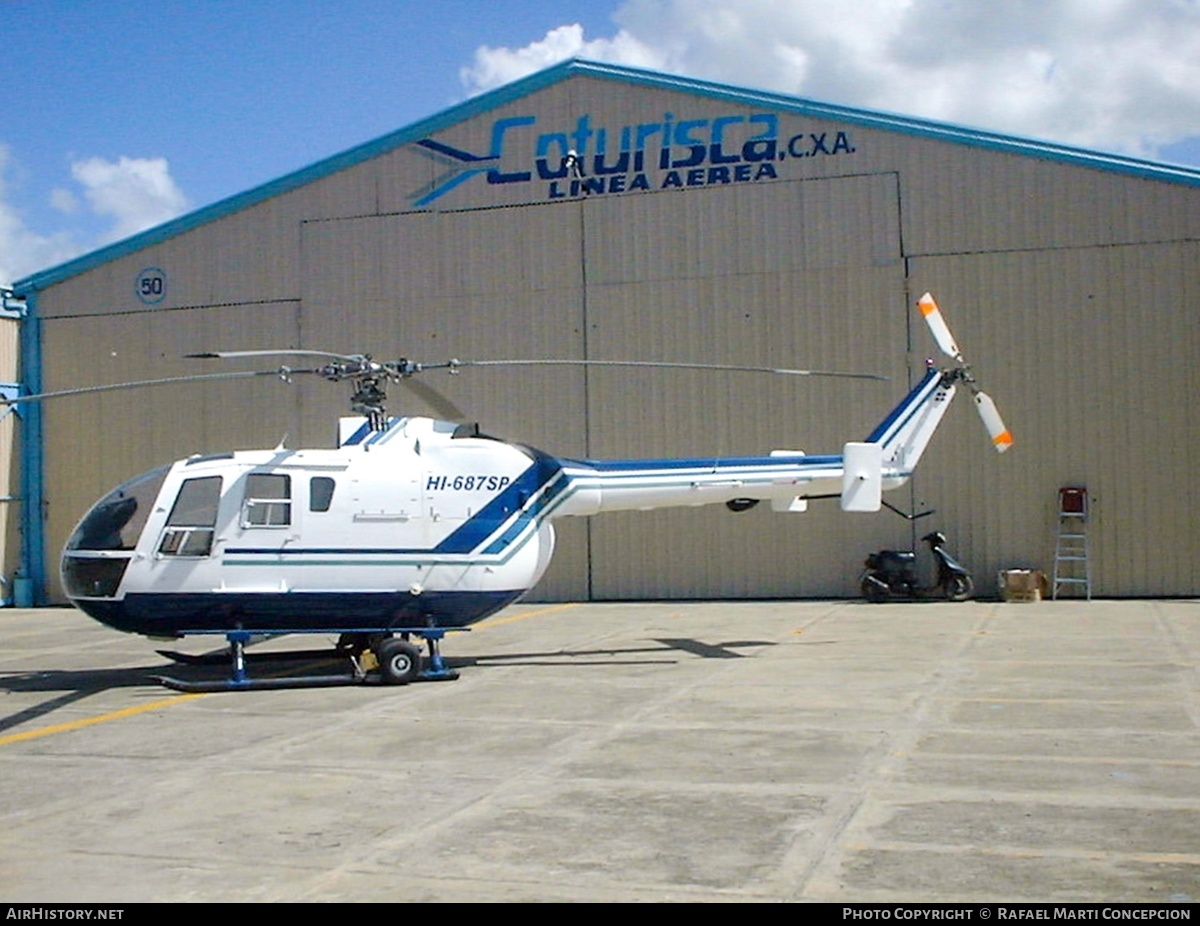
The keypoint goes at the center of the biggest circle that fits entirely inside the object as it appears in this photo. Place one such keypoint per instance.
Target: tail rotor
(1001, 437)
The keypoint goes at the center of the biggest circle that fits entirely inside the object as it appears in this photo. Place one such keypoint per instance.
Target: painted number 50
(151, 285)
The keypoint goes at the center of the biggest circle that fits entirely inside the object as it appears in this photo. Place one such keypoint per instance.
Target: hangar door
(480, 284)
(793, 274)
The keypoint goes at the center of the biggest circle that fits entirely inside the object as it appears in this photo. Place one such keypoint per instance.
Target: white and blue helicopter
(415, 527)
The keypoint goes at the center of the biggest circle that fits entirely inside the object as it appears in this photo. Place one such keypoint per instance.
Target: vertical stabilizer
(906, 431)
(862, 477)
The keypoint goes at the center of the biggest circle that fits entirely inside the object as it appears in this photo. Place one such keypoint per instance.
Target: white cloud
(137, 193)
(64, 201)
(494, 67)
(21, 249)
(131, 194)
(1119, 75)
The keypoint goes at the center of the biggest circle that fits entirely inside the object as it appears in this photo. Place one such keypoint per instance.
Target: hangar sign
(587, 159)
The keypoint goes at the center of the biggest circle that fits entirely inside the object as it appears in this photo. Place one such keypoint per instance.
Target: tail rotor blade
(938, 327)
(1001, 437)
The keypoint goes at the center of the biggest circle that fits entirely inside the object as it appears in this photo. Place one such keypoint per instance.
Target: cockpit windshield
(116, 521)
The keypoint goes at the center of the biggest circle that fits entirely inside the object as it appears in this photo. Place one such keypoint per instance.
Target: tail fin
(905, 432)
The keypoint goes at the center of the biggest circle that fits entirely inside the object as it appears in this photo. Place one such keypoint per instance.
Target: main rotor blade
(282, 373)
(654, 364)
(273, 352)
(939, 328)
(445, 409)
(1001, 437)
(360, 364)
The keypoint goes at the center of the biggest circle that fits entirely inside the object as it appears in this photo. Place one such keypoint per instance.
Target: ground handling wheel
(399, 661)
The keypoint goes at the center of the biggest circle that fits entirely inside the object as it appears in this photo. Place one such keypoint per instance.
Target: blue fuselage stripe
(904, 410)
(703, 465)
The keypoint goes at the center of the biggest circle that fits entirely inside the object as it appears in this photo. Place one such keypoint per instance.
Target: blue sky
(119, 114)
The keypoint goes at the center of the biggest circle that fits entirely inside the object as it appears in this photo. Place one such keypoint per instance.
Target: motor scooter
(893, 574)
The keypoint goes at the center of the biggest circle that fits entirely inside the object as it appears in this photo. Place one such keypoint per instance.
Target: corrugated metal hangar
(707, 224)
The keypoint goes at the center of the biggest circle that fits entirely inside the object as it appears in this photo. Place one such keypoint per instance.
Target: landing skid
(397, 662)
(222, 658)
(259, 684)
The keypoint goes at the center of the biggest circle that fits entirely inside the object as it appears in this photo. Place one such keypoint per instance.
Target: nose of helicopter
(99, 549)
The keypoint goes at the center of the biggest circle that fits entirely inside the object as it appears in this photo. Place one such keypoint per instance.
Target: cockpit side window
(320, 493)
(189, 530)
(268, 501)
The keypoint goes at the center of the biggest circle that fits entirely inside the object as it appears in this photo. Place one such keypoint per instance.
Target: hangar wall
(710, 225)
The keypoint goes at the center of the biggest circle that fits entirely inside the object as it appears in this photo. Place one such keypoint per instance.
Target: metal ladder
(1071, 563)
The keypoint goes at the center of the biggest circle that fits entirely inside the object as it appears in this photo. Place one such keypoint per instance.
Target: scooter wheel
(958, 588)
(872, 591)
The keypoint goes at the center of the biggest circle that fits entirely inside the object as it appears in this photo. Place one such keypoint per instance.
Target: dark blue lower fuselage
(173, 615)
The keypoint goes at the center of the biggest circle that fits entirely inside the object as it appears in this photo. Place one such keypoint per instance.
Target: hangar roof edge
(909, 125)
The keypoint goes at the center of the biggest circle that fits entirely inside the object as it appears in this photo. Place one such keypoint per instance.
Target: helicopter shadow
(76, 685)
(668, 649)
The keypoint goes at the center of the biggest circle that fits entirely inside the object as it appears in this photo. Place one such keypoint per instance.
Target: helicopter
(414, 527)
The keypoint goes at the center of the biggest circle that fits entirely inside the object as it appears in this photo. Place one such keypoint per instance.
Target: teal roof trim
(632, 76)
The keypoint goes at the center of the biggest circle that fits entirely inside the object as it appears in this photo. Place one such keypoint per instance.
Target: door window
(268, 501)
(189, 530)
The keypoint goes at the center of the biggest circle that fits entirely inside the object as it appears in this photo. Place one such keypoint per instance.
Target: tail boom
(641, 485)
(858, 475)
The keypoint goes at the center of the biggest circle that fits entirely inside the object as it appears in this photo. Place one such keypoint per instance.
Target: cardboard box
(1023, 585)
